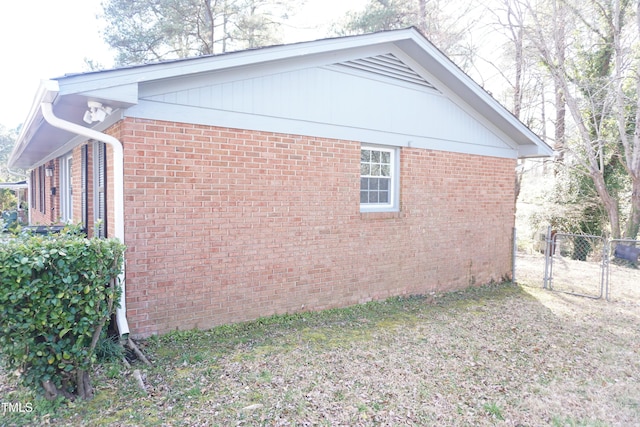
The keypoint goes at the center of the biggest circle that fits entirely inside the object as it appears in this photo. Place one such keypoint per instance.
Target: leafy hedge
(56, 293)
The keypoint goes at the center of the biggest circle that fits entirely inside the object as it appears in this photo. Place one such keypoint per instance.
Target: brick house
(288, 178)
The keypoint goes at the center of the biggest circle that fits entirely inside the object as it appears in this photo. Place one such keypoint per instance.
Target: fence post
(547, 255)
(515, 253)
(604, 285)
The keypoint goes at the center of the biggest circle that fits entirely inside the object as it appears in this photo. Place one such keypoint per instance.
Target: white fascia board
(453, 96)
(226, 75)
(165, 70)
(35, 124)
(78, 140)
(124, 94)
(459, 87)
(530, 151)
(47, 92)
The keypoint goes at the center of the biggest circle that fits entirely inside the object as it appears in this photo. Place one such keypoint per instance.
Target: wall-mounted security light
(96, 112)
(48, 171)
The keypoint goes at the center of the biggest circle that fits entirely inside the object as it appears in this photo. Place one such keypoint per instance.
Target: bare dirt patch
(496, 355)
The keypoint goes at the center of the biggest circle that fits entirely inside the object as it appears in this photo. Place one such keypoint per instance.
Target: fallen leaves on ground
(497, 355)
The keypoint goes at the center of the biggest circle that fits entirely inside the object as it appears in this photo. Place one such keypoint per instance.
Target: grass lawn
(513, 355)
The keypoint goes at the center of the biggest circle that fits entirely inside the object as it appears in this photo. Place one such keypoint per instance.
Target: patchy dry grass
(497, 355)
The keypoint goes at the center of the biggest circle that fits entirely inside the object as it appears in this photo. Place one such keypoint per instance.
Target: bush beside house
(56, 294)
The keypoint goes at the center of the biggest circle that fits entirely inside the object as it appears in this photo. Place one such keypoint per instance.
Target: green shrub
(56, 293)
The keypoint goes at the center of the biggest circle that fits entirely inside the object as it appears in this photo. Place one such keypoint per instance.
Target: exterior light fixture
(96, 112)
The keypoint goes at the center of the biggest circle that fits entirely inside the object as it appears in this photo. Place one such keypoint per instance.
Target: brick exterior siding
(44, 206)
(50, 213)
(226, 225)
(37, 212)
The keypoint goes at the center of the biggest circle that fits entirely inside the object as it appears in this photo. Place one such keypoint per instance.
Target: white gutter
(118, 185)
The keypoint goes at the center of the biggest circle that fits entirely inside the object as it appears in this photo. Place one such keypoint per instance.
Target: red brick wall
(35, 205)
(46, 213)
(225, 225)
(52, 208)
(50, 213)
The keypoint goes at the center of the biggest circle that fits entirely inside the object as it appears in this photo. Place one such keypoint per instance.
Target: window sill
(380, 215)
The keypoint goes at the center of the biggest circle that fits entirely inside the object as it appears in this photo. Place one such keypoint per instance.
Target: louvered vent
(387, 65)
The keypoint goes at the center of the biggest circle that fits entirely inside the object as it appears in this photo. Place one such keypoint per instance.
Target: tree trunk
(609, 202)
(83, 384)
(559, 131)
(519, 176)
(422, 19)
(633, 223)
(51, 392)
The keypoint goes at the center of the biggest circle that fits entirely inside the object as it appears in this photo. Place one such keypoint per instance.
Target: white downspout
(118, 185)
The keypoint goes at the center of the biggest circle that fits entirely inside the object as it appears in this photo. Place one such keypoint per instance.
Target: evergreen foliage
(56, 294)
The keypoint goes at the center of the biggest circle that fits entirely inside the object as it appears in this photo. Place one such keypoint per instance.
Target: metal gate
(623, 272)
(575, 264)
(592, 266)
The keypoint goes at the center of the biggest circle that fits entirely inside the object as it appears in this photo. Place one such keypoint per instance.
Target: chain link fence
(623, 270)
(575, 264)
(578, 264)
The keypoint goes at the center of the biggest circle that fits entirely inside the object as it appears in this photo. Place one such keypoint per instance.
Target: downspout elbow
(118, 181)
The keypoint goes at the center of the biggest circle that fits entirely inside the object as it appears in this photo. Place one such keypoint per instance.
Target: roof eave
(122, 84)
(459, 83)
(530, 151)
(47, 92)
(84, 82)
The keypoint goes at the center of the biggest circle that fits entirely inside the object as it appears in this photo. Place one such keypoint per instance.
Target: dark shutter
(101, 187)
(42, 190)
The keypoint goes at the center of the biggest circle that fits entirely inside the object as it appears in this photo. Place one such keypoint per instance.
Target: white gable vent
(388, 66)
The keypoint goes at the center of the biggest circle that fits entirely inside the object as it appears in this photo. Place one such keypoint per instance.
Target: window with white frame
(378, 179)
(66, 188)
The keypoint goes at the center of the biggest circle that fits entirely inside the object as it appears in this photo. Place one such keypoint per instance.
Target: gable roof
(405, 56)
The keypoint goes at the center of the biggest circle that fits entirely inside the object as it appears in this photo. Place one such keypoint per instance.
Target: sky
(43, 39)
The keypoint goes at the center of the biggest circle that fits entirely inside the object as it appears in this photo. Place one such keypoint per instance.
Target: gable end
(387, 65)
